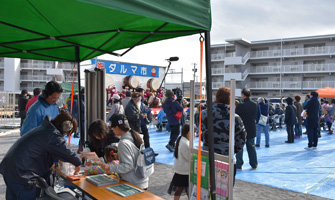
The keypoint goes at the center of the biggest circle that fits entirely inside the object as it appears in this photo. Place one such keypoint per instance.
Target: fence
(9, 114)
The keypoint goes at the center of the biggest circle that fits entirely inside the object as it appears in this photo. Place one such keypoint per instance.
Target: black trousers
(290, 133)
(145, 133)
(175, 131)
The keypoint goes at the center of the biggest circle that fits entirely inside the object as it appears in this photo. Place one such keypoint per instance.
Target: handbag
(178, 115)
(263, 119)
(324, 111)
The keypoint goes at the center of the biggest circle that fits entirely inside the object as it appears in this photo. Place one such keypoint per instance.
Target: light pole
(194, 70)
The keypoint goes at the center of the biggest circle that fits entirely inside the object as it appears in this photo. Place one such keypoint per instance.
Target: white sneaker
(308, 148)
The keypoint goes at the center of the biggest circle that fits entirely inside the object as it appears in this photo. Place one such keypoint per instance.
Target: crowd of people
(118, 140)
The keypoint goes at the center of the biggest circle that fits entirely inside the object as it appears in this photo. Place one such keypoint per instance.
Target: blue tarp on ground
(285, 166)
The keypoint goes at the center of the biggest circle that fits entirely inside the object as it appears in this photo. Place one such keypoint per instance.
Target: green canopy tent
(77, 30)
(67, 87)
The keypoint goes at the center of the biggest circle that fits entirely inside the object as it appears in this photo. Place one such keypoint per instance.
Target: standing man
(37, 92)
(247, 110)
(171, 107)
(313, 120)
(45, 105)
(133, 112)
(126, 100)
(23, 99)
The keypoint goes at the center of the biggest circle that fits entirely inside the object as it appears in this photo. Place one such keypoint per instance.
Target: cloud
(248, 19)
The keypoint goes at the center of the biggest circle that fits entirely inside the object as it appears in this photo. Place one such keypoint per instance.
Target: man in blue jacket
(313, 120)
(171, 107)
(45, 105)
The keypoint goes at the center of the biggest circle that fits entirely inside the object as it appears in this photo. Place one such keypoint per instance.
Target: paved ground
(160, 180)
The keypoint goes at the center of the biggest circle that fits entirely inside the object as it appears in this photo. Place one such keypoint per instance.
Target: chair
(48, 192)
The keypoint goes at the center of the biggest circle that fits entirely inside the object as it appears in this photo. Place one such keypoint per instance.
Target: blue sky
(248, 19)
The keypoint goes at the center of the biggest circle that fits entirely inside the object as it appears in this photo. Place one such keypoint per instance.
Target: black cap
(121, 121)
(139, 89)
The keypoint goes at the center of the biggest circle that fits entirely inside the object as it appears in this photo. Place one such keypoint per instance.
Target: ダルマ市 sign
(127, 69)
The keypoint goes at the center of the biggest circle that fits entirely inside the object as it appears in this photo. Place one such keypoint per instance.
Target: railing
(325, 50)
(217, 71)
(70, 78)
(36, 78)
(217, 84)
(294, 68)
(264, 84)
(65, 66)
(246, 57)
(245, 73)
(37, 66)
(2, 65)
(221, 56)
(292, 84)
(318, 84)
(2, 76)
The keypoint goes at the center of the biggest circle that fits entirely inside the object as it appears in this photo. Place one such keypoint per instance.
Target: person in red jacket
(37, 92)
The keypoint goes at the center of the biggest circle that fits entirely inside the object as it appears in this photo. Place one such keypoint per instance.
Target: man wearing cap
(171, 107)
(144, 111)
(117, 107)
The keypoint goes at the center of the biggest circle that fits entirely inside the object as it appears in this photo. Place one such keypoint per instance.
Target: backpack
(145, 162)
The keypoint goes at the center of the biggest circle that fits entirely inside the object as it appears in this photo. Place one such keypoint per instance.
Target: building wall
(276, 68)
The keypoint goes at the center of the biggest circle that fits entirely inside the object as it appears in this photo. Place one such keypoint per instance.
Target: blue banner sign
(127, 69)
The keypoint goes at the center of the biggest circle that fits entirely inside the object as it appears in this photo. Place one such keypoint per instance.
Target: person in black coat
(290, 119)
(32, 156)
(247, 110)
(22, 102)
(313, 120)
(133, 112)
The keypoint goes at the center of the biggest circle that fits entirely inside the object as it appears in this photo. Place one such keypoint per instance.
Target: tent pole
(210, 114)
(82, 136)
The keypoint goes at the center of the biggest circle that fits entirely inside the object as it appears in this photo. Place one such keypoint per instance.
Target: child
(110, 155)
(181, 164)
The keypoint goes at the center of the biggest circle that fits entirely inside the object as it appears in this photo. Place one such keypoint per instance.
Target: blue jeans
(298, 130)
(250, 144)
(15, 191)
(266, 132)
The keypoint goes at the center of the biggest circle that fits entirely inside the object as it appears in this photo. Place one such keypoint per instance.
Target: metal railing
(37, 66)
(221, 56)
(218, 71)
(291, 84)
(307, 68)
(324, 50)
(218, 84)
(8, 112)
(36, 77)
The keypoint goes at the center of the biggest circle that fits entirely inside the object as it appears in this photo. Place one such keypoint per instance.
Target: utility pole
(194, 70)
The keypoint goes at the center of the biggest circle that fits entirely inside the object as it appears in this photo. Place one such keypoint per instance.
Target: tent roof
(326, 92)
(50, 30)
(67, 87)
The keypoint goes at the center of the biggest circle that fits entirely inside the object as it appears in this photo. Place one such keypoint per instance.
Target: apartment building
(18, 74)
(275, 68)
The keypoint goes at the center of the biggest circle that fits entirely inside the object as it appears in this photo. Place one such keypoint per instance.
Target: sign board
(127, 68)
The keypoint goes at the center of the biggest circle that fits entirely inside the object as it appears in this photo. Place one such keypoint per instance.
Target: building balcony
(291, 85)
(264, 85)
(315, 85)
(294, 52)
(37, 66)
(221, 56)
(2, 76)
(217, 85)
(36, 78)
(308, 68)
